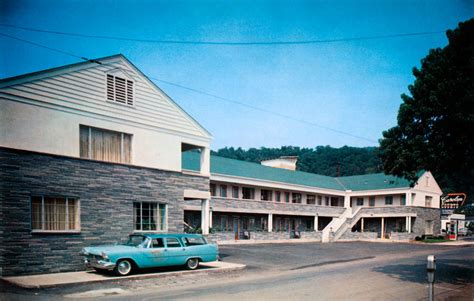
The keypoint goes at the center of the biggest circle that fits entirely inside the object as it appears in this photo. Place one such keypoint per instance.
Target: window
(119, 90)
(223, 191)
(389, 200)
(54, 214)
(149, 216)
(311, 199)
(429, 227)
(327, 200)
(248, 193)
(235, 192)
(296, 198)
(193, 241)
(372, 201)
(320, 200)
(428, 201)
(213, 189)
(360, 202)
(157, 243)
(105, 145)
(172, 243)
(403, 200)
(287, 197)
(278, 196)
(266, 195)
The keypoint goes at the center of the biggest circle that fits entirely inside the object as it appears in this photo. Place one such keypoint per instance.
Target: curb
(22, 281)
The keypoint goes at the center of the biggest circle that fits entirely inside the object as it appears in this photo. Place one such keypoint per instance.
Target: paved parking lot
(356, 270)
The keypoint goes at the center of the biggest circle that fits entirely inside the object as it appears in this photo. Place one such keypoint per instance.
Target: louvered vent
(119, 90)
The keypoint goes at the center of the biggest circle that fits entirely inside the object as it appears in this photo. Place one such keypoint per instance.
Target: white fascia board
(273, 184)
(259, 211)
(380, 192)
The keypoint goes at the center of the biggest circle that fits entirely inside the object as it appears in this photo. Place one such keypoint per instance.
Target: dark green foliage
(323, 160)
(436, 121)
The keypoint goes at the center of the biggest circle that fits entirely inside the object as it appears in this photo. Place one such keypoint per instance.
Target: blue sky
(352, 86)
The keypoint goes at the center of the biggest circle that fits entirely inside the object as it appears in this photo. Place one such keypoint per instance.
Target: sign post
(430, 269)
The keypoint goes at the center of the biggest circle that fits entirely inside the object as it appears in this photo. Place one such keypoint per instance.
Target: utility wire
(203, 92)
(262, 109)
(225, 43)
(49, 48)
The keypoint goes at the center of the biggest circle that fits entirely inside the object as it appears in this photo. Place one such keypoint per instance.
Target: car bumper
(99, 264)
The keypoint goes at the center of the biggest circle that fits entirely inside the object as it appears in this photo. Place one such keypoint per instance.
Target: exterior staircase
(339, 225)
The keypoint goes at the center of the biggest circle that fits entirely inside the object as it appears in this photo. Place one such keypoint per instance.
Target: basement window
(119, 90)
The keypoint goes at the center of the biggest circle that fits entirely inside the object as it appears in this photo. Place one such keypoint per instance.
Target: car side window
(172, 243)
(194, 241)
(157, 243)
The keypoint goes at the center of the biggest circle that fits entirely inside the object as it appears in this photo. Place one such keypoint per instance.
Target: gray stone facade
(264, 235)
(106, 192)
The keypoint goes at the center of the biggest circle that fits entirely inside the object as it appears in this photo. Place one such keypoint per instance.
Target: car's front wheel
(124, 267)
(192, 263)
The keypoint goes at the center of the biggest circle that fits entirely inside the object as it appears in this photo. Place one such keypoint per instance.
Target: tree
(436, 122)
(323, 160)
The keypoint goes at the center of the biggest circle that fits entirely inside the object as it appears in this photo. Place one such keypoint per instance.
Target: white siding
(44, 115)
(86, 89)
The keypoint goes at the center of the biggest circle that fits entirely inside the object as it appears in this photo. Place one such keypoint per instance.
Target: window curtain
(54, 214)
(36, 213)
(106, 145)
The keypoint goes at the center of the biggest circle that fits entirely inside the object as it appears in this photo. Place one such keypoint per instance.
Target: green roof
(244, 169)
(373, 181)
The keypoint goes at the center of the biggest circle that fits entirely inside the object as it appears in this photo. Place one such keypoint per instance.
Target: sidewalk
(58, 279)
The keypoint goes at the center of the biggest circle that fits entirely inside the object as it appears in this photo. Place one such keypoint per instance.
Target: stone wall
(348, 235)
(106, 192)
(263, 235)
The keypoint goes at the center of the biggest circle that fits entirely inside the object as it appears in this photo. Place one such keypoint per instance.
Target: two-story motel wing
(91, 152)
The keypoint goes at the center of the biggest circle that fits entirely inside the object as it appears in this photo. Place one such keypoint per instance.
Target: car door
(155, 254)
(175, 251)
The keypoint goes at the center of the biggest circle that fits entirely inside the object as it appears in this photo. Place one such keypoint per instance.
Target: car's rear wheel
(192, 263)
(124, 267)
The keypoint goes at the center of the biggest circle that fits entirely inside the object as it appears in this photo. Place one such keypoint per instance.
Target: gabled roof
(244, 169)
(20, 79)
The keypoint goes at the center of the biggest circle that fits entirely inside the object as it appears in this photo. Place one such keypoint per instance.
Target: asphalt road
(313, 271)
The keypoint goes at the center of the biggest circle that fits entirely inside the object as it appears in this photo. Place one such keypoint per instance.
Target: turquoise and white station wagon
(151, 250)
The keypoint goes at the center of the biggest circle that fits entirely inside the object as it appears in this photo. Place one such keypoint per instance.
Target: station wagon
(151, 250)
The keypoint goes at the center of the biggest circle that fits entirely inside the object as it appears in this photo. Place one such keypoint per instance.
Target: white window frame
(122, 150)
(165, 228)
(67, 230)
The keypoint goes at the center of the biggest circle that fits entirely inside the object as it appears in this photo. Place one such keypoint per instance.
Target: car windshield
(135, 240)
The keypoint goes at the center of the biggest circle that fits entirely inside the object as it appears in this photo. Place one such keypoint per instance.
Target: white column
(270, 222)
(205, 216)
(409, 224)
(210, 217)
(362, 225)
(316, 218)
(408, 199)
(205, 161)
(382, 229)
(347, 200)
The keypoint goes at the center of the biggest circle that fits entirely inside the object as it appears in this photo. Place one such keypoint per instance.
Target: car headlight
(104, 255)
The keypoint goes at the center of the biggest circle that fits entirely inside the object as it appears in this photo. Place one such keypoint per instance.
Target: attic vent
(119, 90)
